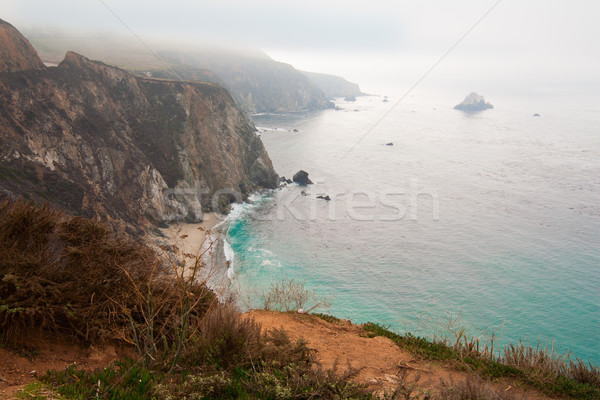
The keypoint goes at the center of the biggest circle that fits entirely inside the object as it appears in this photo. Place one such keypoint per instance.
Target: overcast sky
(551, 40)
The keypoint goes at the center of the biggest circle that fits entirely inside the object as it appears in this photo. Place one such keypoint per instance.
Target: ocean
(438, 219)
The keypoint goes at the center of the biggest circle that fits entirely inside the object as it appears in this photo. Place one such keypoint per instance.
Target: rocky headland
(334, 86)
(98, 141)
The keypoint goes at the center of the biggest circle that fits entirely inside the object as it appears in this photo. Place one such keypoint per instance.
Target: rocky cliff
(333, 86)
(16, 53)
(259, 84)
(256, 82)
(99, 141)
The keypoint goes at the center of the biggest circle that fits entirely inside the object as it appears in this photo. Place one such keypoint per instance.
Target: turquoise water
(492, 218)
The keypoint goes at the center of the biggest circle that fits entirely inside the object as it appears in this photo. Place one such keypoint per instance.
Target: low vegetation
(74, 277)
(290, 294)
(539, 367)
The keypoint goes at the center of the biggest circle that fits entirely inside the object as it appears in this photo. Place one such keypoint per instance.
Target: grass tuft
(124, 379)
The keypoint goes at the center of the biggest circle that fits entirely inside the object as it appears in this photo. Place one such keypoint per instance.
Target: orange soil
(18, 368)
(381, 362)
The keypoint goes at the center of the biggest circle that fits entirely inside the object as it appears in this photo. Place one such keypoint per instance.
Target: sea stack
(301, 178)
(473, 103)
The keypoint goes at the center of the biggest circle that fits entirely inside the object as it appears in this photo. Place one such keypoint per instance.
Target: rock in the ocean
(301, 178)
(349, 98)
(473, 103)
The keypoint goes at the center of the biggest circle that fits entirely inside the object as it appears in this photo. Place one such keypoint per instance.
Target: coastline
(189, 237)
(204, 240)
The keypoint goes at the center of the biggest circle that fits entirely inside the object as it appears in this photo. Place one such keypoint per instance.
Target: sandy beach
(190, 237)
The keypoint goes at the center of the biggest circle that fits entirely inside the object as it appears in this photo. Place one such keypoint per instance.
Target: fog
(377, 44)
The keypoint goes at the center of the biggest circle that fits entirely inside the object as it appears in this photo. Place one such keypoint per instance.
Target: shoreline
(190, 237)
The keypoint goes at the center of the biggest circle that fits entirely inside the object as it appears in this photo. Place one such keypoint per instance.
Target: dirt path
(18, 368)
(383, 364)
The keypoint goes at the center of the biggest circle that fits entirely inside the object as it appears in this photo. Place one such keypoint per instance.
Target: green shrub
(328, 318)
(126, 380)
(418, 345)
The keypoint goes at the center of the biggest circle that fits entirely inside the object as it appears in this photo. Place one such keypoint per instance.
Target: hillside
(16, 53)
(259, 84)
(99, 141)
(381, 365)
(256, 82)
(334, 86)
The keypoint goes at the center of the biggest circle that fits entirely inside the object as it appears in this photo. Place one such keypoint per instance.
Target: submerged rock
(301, 178)
(283, 179)
(473, 103)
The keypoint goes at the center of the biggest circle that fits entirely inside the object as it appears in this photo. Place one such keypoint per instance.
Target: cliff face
(99, 141)
(334, 86)
(16, 53)
(258, 84)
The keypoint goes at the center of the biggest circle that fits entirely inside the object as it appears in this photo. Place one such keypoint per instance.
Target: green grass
(416, 345)
(328, 318)
(38, 391)
(124, 379)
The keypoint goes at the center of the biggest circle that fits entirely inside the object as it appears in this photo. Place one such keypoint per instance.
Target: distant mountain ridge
(334, 86)
(258, 84)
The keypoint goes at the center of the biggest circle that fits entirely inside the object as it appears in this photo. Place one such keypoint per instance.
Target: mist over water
(493, 217)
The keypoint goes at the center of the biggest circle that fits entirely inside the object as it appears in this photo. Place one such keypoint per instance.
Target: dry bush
(224, 339)
(542, 364)
(274, 368)
(288, 294)
(587, 373)
(288, 369)
(74, 276)
(407, 388)
(279, 350)
(474, 388)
